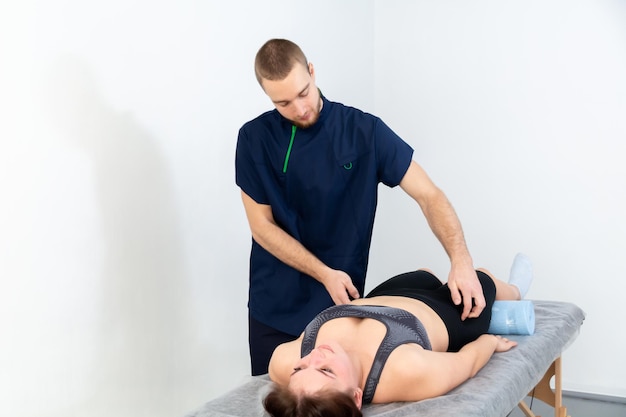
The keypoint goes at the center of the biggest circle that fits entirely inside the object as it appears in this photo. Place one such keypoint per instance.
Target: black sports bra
(402, 327)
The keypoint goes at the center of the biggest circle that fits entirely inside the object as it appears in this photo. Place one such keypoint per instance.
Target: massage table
(506, 380)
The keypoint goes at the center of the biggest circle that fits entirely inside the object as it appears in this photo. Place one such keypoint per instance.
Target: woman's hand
(504, 344)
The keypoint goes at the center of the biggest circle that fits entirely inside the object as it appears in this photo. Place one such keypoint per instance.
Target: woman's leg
(504, 290)
(422, 279)
(520, 278)
(521, 273)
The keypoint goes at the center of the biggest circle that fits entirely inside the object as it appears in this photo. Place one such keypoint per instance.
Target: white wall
(123, 244)
(517, 110)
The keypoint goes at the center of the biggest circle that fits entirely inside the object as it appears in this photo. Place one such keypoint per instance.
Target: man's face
(296, 97)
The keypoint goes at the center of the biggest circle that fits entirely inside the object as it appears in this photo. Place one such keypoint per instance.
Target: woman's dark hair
(281, 402)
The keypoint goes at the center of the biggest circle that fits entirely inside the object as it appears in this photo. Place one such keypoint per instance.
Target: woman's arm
(417, 374)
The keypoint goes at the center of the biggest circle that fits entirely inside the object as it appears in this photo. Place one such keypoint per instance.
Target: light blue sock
(521, 273)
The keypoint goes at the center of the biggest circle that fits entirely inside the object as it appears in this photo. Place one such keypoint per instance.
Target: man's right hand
(279, 243)
(339, 286)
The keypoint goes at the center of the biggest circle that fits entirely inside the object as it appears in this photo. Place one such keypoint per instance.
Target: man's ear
(311, 69)
(358, 397)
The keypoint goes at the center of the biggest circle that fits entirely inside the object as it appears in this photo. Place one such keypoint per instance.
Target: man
(309, 172)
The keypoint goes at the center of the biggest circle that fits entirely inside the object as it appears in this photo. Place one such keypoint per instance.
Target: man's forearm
(284, 247)
(439, 213)
(446, 226)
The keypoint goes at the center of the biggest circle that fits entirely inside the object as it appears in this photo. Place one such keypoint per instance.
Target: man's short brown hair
(276, 59)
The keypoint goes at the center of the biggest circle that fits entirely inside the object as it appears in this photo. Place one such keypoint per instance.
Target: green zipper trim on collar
(293, 135)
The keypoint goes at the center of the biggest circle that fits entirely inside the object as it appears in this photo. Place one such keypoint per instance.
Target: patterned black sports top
(402, 327)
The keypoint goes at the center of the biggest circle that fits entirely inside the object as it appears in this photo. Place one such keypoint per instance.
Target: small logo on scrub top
(348, 165)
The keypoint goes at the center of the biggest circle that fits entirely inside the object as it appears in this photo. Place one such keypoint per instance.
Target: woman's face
(327, 367)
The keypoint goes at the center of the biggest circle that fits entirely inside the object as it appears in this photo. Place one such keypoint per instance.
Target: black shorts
(425, 287)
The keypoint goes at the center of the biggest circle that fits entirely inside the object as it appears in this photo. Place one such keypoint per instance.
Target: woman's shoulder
(283, 359)
(402, 370)
(416, 374)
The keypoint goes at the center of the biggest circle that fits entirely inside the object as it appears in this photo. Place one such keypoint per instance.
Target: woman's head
(283, 402)
(326, 382)
(328, 367)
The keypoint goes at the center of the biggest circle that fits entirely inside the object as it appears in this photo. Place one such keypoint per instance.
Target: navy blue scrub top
(326, 200)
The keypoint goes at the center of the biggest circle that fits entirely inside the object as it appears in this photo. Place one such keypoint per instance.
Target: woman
(404, 341)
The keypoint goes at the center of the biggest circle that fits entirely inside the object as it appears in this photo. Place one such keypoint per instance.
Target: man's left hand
(465, 287)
